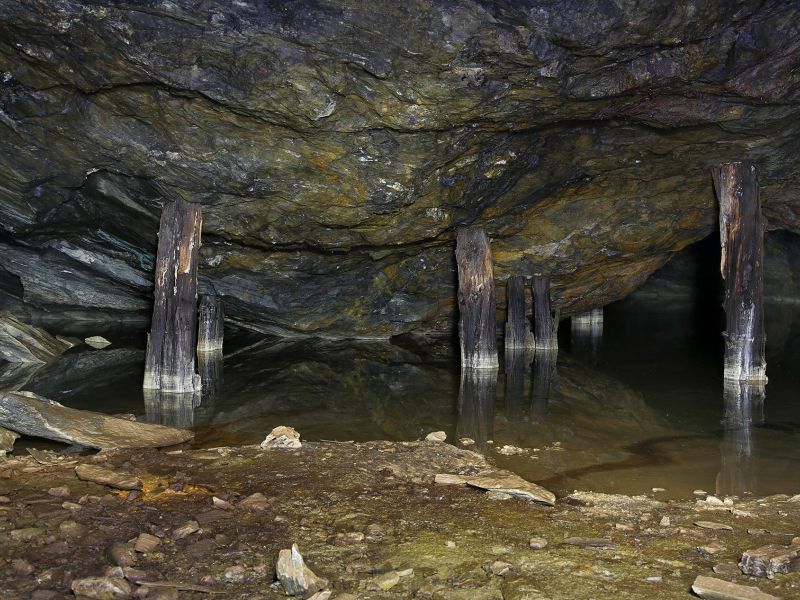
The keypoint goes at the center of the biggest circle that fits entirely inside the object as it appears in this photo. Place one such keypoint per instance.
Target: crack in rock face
(337, 149)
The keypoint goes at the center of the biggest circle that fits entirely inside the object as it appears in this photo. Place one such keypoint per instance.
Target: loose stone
(665, 522)
(297, 579)
(386, 581)
(234, 574)
(122, 554)
(601, 543)
(500, 568)
(102, 588)
(97, 474)
(727, 569)
(222, 504)
(21, 567)
(7, 439)
(146, 543)
(255, 502)
(348, 539)
(59, 492)
(436, 436)
(450, 479)
(537, 543)
(713, 525)
(97, 341)
(282, 437)
(186, 529)
(716, 589)
(768, 560)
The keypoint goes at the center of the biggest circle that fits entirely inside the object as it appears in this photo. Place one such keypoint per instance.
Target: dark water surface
(641, 406)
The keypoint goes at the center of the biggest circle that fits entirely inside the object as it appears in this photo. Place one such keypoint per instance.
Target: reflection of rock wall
(335, 147)
(401, 391)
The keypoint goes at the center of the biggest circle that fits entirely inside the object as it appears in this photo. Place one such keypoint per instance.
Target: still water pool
(638, 407)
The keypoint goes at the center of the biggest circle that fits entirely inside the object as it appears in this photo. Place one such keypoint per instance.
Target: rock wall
(336, 146)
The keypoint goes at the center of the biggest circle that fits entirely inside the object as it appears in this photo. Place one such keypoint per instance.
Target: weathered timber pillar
(545, 319)
(476, 300)
(210, 324)
(518, 332)
(741, 227)
(171, 343)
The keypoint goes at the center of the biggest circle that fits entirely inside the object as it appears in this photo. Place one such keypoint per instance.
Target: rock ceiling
(337, 146)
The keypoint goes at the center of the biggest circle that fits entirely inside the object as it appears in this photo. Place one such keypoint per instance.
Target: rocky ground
(367, 517)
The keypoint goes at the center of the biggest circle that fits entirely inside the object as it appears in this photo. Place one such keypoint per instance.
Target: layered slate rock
(336, 148)
(33, 415)
(23, 343)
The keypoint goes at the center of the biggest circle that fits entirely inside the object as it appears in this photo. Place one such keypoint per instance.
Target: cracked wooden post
(518, 332)
(741, 227)
(545, 319)
(171, 343)
(476, 300)
(210, 324)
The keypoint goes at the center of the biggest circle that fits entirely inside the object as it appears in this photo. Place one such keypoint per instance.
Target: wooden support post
(545, 319)
(741, 226)
(476, 398)
(171, 343)
(210, 324)
(518, 331)
(476, 300)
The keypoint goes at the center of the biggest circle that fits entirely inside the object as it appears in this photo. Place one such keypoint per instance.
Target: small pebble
(59, 492)
(386, 581)
(234, 574)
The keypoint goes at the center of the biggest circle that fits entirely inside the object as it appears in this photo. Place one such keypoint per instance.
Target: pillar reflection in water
(544, 371)
(476, 398)
(586, 333)
(744, 409)
(516, 362)
(189, 409)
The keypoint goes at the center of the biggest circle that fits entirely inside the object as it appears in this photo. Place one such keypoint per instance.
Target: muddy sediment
(367, 517)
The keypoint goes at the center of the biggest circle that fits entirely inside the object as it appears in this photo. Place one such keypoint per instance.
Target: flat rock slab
(514, 485)
(34, 415)
(20, 342)
(768, 560)
(713, 525)
(103, 476)
(716, 589)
